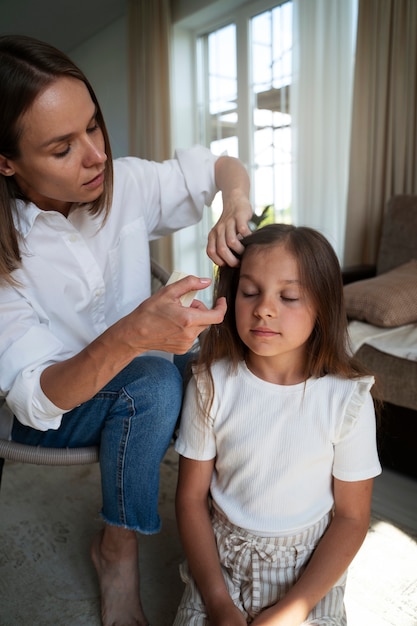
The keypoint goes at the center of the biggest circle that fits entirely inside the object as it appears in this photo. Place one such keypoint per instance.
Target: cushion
(389, 299)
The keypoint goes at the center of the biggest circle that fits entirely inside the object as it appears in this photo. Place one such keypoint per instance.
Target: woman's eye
(288, 299)
(92, 129)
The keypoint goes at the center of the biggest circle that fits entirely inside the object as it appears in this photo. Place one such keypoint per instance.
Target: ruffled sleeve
(360, 393)
(355, 450)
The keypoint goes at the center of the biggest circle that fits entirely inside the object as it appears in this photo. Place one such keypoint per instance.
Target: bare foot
(114, 553)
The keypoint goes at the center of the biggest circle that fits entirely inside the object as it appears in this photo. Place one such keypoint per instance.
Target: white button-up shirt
(79, 276)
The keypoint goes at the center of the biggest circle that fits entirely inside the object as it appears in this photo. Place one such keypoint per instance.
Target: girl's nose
(265, 308)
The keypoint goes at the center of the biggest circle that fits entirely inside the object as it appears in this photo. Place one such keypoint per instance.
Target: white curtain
(321, 102)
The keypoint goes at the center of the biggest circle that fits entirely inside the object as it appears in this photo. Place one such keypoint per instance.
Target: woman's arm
(331, 558)
(159, 323)
(233, 181)
(199, 543)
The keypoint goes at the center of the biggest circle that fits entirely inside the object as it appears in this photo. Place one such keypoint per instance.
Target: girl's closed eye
(63, 153)
(290, 298)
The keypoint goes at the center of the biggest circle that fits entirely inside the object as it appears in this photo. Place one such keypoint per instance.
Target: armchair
(381, 303)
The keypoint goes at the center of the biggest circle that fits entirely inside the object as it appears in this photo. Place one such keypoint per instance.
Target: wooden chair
(13, 451)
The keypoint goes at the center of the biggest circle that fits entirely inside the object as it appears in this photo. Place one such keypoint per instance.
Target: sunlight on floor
(384, 575)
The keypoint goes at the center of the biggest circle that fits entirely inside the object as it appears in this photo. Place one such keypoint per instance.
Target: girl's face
(61, 148)
(274, 315)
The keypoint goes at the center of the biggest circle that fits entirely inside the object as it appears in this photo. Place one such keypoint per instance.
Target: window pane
(271, 33)
(222, 96)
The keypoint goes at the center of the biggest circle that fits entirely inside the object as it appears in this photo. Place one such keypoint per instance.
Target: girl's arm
(197, 537)
(331, 558)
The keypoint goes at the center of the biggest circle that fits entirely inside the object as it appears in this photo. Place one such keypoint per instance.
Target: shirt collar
(25, 216)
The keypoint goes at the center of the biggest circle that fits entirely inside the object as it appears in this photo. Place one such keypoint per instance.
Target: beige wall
(184, 10)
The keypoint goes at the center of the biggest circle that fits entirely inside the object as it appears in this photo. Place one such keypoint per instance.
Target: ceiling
(63, 23)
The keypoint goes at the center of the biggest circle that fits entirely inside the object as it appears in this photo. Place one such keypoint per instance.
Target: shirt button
(73, 238)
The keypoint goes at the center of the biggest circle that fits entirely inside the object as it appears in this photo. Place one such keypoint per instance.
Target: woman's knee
(158, 386)
(163, 376)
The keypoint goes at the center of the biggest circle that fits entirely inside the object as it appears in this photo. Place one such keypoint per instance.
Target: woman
(75, 297)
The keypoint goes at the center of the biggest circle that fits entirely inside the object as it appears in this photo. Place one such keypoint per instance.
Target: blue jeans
(132, 419)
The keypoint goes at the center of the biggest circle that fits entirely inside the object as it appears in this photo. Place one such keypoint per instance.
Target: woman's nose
(94, 152)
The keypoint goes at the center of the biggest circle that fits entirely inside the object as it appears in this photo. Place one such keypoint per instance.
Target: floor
(49, 515)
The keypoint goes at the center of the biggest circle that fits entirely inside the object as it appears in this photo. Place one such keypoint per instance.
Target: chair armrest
(354, 273)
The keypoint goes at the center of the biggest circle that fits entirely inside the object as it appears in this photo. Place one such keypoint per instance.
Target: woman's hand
(159, 323)
(162, 323)
(224, 238)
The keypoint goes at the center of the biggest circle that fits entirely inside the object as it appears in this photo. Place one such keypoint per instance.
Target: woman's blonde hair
(27, 67)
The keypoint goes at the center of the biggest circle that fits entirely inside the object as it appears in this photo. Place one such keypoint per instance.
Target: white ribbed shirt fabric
(79, 277)
(277, 447)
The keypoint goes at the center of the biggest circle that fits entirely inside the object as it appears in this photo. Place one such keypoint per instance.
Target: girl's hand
(281, 615)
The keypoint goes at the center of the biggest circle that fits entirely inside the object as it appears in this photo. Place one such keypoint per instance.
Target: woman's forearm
(159, 323)
(231, 175)
(77, 379)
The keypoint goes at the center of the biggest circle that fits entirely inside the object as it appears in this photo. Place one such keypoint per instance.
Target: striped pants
(259, 571)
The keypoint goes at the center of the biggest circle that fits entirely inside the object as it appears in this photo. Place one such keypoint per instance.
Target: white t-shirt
(78, 277)
(276, 448)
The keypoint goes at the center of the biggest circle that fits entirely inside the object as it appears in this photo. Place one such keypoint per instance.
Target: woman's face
(61, 147)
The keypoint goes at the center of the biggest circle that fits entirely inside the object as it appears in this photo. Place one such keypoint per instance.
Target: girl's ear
(6, 168)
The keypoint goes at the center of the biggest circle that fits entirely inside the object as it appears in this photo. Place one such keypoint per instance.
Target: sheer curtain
(321, 99)
(384, 120)
(149, 31)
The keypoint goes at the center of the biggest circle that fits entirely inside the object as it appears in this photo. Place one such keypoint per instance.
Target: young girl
(277, 443)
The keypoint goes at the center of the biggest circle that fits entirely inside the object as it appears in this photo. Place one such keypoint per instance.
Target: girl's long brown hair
(327, 350)
(27, 67)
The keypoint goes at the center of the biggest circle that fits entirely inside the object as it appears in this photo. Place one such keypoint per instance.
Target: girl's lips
(263, 332)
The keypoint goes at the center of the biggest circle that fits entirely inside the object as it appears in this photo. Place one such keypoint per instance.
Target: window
(243, 81)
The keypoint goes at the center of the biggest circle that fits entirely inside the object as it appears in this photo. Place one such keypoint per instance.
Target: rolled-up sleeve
(25, 350)
(30, 405)
(171, 195)
(197, 165)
